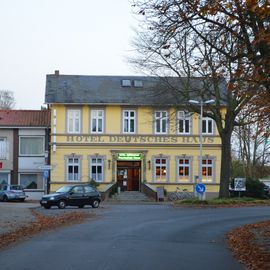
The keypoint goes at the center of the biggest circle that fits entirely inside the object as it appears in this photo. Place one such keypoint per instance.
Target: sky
(78, 37)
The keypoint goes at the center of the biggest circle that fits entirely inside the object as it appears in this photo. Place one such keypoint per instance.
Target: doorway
(129, 175)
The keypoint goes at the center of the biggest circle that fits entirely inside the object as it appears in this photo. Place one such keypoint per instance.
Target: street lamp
(201, 103)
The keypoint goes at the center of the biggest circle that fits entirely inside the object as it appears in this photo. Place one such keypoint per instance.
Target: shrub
(93, 183)
(255, 189)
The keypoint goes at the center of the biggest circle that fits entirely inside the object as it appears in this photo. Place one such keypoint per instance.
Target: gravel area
(15, 215)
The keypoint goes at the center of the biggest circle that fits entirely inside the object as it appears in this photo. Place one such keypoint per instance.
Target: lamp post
(201, 103)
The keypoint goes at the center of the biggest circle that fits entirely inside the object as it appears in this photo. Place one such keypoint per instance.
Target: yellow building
(120, 130)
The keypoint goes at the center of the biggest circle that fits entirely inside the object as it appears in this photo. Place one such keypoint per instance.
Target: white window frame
(94, 163)
(73, 164)
(95, 116)
(208, 121)
(162, 119)
(184, 165)
(161, 165)
(32, 155)
(129, 120)
(71, 117)
(183, 117)
(208, 178)
(4, 148)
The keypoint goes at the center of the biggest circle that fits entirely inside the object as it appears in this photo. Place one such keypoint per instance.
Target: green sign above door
(129, 156)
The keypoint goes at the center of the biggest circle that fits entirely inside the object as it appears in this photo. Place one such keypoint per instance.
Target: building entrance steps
(130, 196)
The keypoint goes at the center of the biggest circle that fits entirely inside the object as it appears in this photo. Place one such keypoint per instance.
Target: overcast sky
(84, 37)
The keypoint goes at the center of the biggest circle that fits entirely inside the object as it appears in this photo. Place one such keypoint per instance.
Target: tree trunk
(225, 170)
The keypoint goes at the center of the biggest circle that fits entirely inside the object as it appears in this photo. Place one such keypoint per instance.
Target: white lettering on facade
(138, 139)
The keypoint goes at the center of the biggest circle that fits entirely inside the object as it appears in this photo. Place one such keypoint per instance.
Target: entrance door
(128, 175)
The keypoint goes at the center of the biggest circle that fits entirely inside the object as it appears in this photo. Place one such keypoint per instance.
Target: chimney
(56, 72)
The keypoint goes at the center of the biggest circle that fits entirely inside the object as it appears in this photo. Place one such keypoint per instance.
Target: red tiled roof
(24, 118)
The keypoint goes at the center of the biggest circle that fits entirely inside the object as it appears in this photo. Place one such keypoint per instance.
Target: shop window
(161, 169)
(32, 146)
(4, 179)
(97, 121)
(73, 121)
(97, 169)
(29, 181)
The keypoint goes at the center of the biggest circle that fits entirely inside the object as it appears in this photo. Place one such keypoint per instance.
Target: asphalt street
(137, 237)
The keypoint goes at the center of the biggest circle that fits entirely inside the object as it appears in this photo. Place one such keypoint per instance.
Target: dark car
(75, 195)
(12, 193)
(266, 190)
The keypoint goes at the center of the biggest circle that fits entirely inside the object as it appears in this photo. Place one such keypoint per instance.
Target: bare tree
(252, 148)
(7, 100)
(172, 42)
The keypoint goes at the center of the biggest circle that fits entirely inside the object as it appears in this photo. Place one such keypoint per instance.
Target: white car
(12, 193)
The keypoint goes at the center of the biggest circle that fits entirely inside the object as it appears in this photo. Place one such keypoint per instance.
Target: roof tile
(24, 118)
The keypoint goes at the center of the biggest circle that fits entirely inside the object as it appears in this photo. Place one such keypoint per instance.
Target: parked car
(267, 190)
(73, 195)
(12, 193)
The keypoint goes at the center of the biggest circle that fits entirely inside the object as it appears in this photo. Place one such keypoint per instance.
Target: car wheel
(5, 198)
(61, 204)
(22, 200)
(95, 203)
(47, 207)
(81, 206)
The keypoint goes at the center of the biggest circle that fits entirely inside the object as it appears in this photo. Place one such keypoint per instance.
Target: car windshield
(64, 189)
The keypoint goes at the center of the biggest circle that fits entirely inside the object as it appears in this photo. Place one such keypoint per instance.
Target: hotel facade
(118, 130)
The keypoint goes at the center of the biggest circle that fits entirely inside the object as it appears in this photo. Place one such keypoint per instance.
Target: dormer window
(126, 83)
(138, 83)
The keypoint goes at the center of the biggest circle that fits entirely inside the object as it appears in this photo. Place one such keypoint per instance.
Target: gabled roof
(102, 90)
(25, 118)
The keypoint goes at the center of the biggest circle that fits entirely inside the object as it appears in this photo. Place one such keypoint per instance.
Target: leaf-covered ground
(43, 223)
(250, 244)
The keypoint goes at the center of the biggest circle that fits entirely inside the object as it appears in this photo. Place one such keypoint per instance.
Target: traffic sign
(45, 167)
(200, 188)
(46, 174)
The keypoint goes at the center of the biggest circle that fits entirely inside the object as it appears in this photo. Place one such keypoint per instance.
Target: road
(137, 237)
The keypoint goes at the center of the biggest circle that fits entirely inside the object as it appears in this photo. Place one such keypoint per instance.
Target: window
(184, 169)
(207, 125)
(129, 119)
(3, 148)
(138, 84)
(73, 169)
(97, 121)
(73, 121)
(183, 122)
(4, 179)
(97, 169)
(78, 189)
(29, 181)
(208, 170)
(88, 189)
(160, 169)
(161, 118)
(32, 146)
(126, 83)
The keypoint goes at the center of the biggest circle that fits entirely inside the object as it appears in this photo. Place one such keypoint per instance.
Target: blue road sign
(200, 188)
(45, 174)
